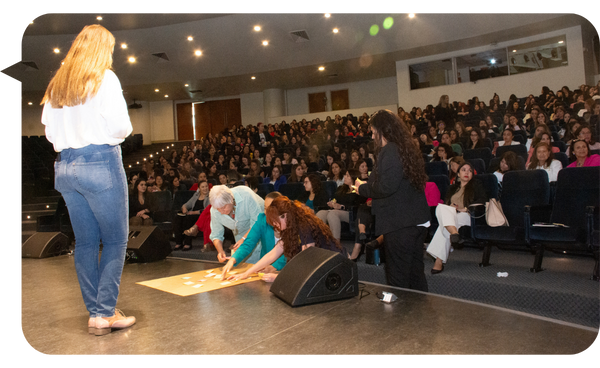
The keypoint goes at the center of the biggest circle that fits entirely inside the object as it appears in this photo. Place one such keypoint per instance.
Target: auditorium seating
(575, 204)
(519, 189)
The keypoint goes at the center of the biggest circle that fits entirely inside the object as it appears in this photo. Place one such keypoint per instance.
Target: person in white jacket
(86, 119)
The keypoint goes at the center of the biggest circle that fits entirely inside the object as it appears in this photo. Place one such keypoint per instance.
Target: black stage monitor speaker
(147, 244)
(43, 245)
(316, 275)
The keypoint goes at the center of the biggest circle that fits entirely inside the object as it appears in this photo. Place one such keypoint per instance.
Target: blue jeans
(93, 183)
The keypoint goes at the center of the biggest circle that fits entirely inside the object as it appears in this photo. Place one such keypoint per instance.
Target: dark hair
(315, 182)
(511, 159)
(447, 148)
(135, 191)
(572, 156)
(252, 182)
(342, 167)
(343, 189)
(469, 193)
(389, 126)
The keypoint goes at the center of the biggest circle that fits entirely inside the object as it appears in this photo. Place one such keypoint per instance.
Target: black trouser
(404, 265)
(181, 223)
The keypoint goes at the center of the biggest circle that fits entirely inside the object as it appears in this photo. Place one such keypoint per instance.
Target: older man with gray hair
(236, 209)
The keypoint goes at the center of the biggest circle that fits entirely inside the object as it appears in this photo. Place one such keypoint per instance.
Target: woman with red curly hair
(305, 230)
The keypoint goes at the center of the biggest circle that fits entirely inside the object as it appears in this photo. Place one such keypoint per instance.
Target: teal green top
(309, 204)
(263, 232)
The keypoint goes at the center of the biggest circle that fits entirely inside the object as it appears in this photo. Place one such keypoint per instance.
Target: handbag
(494, 216)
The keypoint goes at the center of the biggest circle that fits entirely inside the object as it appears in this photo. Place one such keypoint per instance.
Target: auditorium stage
(248, 319)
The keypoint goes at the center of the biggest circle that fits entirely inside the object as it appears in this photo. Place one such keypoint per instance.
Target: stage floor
(248, 319)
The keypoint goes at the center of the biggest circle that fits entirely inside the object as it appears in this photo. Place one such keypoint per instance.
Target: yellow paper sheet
(199, 281)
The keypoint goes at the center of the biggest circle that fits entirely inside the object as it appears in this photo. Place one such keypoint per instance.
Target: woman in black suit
(397, 187)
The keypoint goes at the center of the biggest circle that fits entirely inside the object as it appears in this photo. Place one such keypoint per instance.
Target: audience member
(543, 159)
(139, 212)
(454, 214)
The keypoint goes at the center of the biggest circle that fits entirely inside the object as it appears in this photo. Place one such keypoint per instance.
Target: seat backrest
(264, 189)
(576, 188)
(442, 182)
(181, 197)
(522, 188)
(562, 146)
(478, 165)
(330, 188)
(519, 149)
(160, 201)
(292, 190)
(483, 153)
(490, 184)
(286, 168)
(563, 158)
(436, 168)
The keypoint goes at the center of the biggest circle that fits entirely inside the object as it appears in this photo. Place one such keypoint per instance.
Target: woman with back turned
(86, 118)
(397, 187)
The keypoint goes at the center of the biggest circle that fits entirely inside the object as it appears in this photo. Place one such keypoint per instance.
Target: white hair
(220, 196)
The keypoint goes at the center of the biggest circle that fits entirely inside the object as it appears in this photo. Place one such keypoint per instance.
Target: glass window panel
(482, 65)
(431, 74)
(543, 54)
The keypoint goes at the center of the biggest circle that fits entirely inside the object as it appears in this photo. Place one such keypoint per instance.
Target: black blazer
(396, 203)
(319, 202)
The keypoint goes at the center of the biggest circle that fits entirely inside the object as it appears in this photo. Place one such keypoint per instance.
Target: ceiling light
(257, 28)
(99, 17)
(166, 95)
(190, 38)
(514, 50)
(198, 52)
(265, 43)
(123, 45)
(187, 85)
(493, 61)
(321, 68)
(56, 51)
(411, 15)
(327, 15)
(335, 30)
(561, 41)
(253, 77)
(131, 59)
(30, 103)
(156, 90)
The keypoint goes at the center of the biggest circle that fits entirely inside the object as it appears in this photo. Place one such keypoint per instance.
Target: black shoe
(373, 244)
(434, 272)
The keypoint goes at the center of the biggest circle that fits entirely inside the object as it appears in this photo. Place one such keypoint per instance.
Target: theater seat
(575, 204)
(519, 189)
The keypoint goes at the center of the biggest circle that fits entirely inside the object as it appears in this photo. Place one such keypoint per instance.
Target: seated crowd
(227, 169)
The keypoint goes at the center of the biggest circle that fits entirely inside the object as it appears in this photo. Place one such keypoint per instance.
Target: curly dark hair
(300, 219)
(389, 126)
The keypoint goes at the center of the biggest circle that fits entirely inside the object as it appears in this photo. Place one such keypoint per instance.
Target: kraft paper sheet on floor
(200, 281)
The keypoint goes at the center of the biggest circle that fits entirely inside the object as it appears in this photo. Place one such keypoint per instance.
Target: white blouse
(102, 119)
(552, 170)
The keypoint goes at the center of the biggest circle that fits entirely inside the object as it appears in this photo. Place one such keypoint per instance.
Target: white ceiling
(232, 50)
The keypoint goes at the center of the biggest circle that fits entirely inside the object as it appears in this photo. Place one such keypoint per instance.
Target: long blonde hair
(82, 70)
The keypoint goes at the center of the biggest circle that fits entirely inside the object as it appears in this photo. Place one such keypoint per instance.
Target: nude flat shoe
(104, 325)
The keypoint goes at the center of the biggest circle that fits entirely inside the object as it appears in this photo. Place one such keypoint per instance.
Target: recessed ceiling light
(166, 95)
(156, 90)
(335, 30)
(327, 15)
(321, 68)
(131, 59)
(265, 43)
(561, 41)
(411, 15)
(198, 52)
(30, 103)
(123, 45)
(190, 38)
(99, 17)
(253, 77)
(257, 28)
(56, 50)
(514, 50)
(187, 85)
